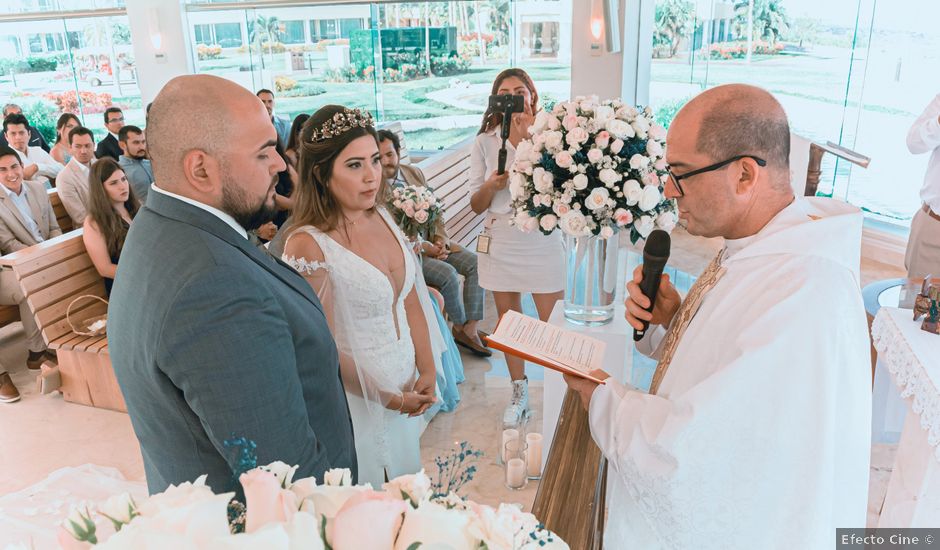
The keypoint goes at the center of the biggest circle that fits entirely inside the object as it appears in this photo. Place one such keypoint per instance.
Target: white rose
(524, 149)
(548, 222)
(553, 123)
(303, 487)
(667, 221)
(638, 161)
(616, 146)
(553, 140)
(654, 149)
(517, 185)
(640, 124)
(541, 122)
(580, 182)
(603, 114)
(609, 176)
(119, 508)
(644, 225)
(657, 132)
(560, 208)
(434, 526)
(78, 523)
(595, 155)
(650, 198)
(597, 199)
(176, 496)
(498, 529)
(544, 181)
(328, 499)
(632, 191)
(338, 477)
(417, 487)
(576, 136)
(283, 472)
(574, 223)
(563, 159)
(606, 232)
(619, 129)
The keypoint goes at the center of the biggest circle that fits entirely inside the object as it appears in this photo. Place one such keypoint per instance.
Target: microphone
(655, 255)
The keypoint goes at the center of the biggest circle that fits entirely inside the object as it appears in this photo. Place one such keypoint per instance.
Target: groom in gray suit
(212, 338)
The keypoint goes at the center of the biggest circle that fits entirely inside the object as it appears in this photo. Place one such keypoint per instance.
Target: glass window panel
(328, 29)
(293, 32)
(202, 34)
(228, 35)
(35, 43)
(346, 26)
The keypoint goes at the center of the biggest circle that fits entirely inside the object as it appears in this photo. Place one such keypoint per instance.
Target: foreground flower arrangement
(592, 168)
(414, 208)
(281, 512)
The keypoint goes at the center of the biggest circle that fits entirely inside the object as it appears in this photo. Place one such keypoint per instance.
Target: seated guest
(35, 138)
(443, 261)
(111, 208)
(293, 142)
(110, 146)
(72, 182)
(281, 124)
(26, 218)
(37, 164)
(134, 161)
(60, 151)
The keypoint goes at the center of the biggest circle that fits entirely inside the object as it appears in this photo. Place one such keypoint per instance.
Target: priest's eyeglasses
(710, 168)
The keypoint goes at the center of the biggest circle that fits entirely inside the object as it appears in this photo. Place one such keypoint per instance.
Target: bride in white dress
(357, 261)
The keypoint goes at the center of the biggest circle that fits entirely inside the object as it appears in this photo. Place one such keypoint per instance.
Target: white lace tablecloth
(30, 518)
(913, 358)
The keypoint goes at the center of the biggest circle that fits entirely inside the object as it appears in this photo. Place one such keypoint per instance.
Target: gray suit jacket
(13, 232)
(72, 184)
(212, 338)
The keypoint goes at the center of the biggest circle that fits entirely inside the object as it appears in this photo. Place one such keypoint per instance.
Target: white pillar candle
(534, 454)
(508, 435)
(515, 472)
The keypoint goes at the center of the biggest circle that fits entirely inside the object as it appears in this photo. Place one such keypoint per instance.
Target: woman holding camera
(512, 262)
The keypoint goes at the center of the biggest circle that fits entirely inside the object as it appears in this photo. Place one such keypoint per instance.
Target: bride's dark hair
(314, 203)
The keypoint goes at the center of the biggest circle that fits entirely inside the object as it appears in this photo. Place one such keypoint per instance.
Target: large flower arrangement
(592, 168)
(281, 512)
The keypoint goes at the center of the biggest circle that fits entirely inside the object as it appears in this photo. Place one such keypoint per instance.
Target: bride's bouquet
(592, 168)
(415, 209)
(283, 513)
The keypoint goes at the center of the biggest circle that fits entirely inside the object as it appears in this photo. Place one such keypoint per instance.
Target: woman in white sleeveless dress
(357, 261)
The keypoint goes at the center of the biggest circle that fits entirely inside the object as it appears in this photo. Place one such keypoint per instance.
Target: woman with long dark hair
(292, 147)
(514, 262)
(369, 283)
(60, 150)
(111, 209)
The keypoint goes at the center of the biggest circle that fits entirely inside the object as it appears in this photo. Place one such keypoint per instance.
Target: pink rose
(623, 217)
(616, 146)
(368, 520)
(576, 136)
(265, 500)
(650, 178)
(409, 209)
(561, 208)
(421, 216)
(660, 165)
(563, 159)
(570, 122)
(595, 155)
(602, 139)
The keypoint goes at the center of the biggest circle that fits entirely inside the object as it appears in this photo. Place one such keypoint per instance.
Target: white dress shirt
(484, 158)
(48, 166)
(924, 137)
(210, 209)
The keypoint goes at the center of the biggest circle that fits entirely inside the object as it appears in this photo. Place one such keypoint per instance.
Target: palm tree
(770, 19)
(265, 29)
(673, 21)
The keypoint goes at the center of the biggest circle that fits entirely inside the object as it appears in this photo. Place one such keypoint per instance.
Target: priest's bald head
(728, 151)
(212, 141)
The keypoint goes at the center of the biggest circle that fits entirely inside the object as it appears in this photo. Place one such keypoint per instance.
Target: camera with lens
(507, 103)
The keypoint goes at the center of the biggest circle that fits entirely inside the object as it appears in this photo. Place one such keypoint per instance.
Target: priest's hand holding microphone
(647, 303)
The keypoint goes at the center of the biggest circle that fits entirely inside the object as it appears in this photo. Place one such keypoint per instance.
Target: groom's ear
(201, 171)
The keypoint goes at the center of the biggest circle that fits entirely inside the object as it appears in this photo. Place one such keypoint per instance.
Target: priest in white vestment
(756, 432)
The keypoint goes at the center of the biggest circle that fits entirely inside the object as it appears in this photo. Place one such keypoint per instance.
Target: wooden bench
(61, 215)
(52, 274)
(448, 174)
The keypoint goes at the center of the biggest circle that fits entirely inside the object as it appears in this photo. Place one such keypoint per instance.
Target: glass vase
(591, 279)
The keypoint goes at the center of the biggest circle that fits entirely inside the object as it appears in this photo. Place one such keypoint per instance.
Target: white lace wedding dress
(365, 329)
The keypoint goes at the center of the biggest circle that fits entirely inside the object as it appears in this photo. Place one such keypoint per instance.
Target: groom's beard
(236, 203)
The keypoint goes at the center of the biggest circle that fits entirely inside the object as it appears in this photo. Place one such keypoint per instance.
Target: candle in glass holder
(515, 473)
(534, 455)
(508, 435)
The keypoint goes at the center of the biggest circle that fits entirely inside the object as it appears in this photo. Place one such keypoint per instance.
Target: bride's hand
(425, 386)
(411, 403)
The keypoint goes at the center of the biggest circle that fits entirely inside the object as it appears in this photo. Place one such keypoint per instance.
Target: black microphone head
(657, 246)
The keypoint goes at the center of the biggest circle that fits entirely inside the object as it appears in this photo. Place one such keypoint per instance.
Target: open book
(536, 341)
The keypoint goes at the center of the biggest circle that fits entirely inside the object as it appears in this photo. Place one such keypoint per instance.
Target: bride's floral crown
(342, 123)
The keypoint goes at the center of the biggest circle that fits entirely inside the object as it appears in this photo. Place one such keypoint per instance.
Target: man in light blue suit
(281, 124)
(212, 338)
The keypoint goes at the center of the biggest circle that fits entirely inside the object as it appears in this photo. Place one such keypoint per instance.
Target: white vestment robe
(759, 436)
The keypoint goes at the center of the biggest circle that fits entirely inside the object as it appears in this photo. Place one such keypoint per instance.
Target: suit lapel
(186, 213)
(11, 206)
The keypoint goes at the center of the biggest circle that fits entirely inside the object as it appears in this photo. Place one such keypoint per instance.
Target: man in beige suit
(72, 181)
(26, 218)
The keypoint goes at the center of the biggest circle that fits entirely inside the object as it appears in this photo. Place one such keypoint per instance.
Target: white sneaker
(518, 408)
